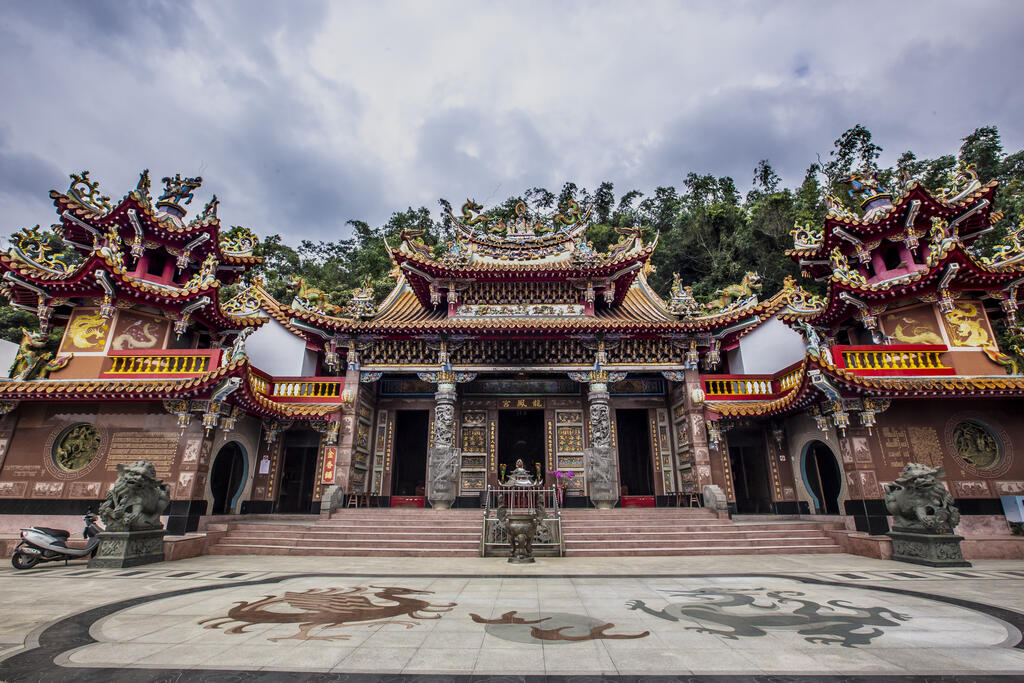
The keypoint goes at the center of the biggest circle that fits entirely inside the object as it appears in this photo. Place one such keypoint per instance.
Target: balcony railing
(751, 387)
(904, 360)
(162, 364)
(298, 389)
(731, 386)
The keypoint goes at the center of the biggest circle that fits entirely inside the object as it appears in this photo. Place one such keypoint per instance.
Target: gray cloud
(302, 115)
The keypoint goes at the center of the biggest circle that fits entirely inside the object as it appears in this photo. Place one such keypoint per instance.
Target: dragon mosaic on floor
(834, 622)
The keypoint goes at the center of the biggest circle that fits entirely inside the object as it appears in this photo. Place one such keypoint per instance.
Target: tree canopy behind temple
(709, 233)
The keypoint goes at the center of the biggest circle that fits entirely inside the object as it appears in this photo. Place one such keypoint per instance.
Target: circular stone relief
(977, 445)
(76, 447)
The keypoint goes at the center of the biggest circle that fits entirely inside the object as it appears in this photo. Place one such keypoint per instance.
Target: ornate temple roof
(86, 216)
(914, 245)
(111, 239)
(527, 248)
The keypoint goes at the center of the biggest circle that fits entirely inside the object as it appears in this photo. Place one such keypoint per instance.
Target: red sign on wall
(330, 456)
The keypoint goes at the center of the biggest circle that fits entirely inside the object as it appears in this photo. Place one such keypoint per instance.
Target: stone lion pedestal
(923, 519)
(133, 533)
(119, 549)
(928, 548)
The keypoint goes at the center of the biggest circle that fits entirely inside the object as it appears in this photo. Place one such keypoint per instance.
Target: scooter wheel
(24, 561)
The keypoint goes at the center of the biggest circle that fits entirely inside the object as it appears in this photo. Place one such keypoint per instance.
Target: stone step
(266, 549)
(572, 527)
(419, 524)
(653, 536)
(369, 535)
(705, 550)
(644, 545)
(467, 544)
(336, 528)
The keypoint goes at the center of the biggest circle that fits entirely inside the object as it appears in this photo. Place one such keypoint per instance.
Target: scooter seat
(56, 533)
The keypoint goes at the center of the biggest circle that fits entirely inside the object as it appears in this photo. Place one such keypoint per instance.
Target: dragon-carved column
(601, 455)
(443, 460)
(694, 406)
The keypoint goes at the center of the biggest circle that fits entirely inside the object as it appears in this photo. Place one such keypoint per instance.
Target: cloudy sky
(301, 115)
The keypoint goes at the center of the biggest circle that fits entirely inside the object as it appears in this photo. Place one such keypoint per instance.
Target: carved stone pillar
(601, 455)
(346, 436)
(694, 402)
(443, 461)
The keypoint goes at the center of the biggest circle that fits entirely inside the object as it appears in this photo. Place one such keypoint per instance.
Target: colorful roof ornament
(361, 305)
(86, 192)
(735, 296)
(681, 300)
(34, 247)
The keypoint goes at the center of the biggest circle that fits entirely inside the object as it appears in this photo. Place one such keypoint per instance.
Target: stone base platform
(118, 549)
(931, 550)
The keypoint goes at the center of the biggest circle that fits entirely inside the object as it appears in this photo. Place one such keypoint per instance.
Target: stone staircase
(410, 532)
(687, 531)
(380, 532)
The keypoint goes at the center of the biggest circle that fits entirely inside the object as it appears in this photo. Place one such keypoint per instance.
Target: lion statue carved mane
(136, 500)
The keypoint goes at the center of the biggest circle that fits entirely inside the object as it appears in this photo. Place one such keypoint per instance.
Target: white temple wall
(768, 349)
(277, 351)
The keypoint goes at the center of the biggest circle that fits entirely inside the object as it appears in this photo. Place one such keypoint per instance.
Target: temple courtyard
(351, 618)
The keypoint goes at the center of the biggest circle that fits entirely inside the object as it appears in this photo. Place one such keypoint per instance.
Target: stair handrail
(558, 522)
(483, 530)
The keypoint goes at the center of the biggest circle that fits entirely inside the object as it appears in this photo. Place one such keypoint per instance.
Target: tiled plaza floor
(291, 618)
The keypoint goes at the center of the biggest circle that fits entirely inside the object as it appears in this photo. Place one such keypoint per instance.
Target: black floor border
(72, 632)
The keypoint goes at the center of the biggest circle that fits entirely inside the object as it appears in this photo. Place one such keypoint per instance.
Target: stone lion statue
(136, 500)
(917, 500)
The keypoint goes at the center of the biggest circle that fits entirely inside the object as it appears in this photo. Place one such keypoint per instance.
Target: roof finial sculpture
(866, 187)
(734, 296)
(681, 301)
(362, 304)
(210, 210)
(178, 190)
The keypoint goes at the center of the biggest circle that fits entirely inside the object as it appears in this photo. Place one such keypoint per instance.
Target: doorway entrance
(521, 437)
(227, 477)
(298, 471)
(636, 476)
(748, 460)
(822, 477)
(409, 472)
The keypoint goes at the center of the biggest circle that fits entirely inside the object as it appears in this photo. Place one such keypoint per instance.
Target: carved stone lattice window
(76, 447)
(977, 445)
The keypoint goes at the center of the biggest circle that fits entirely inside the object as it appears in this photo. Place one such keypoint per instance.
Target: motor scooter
(43, 544)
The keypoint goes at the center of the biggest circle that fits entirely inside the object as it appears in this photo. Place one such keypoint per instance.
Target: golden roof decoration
(238, 241)
(310, 298)
(807, 236)
(741, 295)
(841, 269)
(86, 192)
(963, 181)
(1010, 249)
(32, 246)
(243, 304)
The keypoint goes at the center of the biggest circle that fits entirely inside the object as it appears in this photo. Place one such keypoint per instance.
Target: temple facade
(517, 340)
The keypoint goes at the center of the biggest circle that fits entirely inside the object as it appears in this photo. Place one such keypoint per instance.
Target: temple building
(516, 341)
